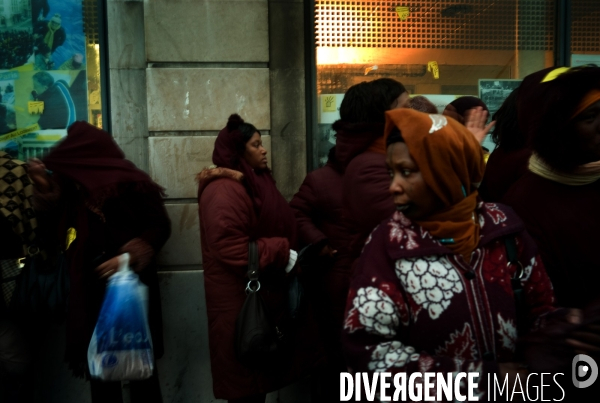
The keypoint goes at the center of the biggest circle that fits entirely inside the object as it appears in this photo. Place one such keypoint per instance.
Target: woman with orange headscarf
(433, 290)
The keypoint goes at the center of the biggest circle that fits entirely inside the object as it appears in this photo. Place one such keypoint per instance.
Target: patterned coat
(414, 306)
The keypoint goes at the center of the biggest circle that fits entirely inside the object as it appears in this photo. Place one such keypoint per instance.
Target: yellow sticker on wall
(329, 103)
(403, 12)
(35, 107)
(434, 69)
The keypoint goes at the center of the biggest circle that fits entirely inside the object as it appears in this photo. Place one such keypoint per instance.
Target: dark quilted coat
(227, 218)
(367, 199)
(318, 210)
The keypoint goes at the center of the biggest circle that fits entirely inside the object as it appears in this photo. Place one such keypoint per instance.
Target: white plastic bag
(121, 346)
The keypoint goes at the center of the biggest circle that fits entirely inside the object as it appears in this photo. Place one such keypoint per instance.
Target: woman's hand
(108, 268)
(475, 119)
(39, 176)
(140, 254)
(327, 251)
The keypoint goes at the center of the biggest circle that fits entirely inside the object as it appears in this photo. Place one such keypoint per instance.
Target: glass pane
(440, 49)
(585, 31)
(49, 72)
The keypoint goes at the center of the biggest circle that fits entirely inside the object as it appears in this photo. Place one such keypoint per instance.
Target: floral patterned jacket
(414, 306)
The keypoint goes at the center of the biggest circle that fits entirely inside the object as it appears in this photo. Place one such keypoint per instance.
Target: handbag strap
(253, 272)
(520, 304)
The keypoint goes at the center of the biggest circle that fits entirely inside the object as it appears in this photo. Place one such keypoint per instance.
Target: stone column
(127, 75)
(288, 104)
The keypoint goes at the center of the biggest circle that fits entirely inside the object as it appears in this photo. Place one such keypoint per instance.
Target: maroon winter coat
(367, 199)
(227, 218)
(318, 210)
(564, 222)
(502, 170)
(365, 187)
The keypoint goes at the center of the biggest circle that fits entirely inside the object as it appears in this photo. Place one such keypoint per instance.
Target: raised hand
(475, 119)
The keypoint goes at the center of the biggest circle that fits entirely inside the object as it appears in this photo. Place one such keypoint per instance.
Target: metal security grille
(90, 22)
(585, 29)
(436, 24)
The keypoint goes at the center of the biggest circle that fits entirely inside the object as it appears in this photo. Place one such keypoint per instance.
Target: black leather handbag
(257, 339)
(43, 287)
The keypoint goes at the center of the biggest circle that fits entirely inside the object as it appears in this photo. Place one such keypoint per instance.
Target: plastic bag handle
(124, 262)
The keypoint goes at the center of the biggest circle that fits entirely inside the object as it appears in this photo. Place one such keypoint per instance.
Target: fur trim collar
(207, 175)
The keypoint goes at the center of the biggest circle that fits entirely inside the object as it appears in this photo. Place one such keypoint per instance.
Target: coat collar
(207, 175)
(407, 239)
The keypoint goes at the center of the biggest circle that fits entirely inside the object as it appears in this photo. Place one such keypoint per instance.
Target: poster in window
(43, 71)
(493, 92)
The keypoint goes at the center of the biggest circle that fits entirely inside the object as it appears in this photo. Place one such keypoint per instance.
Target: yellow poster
(329, 103)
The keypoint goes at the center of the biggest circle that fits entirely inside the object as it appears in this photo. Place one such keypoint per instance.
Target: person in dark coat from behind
(114, 208)
(361, 152)
(318, 207)
(509, 160)
(558, 197)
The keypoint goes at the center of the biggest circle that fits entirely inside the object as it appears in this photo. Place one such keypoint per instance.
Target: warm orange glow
(343, 24)
(382, 56)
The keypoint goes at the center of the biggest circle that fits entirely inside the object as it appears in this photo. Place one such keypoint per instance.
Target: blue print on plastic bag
(121, 324)
(121, 346)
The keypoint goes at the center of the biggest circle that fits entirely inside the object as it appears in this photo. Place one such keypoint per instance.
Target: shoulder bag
(42, 290)
(257, 339)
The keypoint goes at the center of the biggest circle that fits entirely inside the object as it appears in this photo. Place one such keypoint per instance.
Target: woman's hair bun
(234, 122)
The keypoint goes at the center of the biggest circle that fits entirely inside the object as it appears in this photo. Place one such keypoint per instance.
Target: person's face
(403, 101)
(55, 25)
(410, 193)
(587, 129)
(255, 154)
(38, 87)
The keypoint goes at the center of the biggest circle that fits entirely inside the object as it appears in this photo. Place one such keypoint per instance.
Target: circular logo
(109, 361)
(585, 371)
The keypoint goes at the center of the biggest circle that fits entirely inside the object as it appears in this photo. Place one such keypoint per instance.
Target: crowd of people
(413, 268)
(15, 48)
(414, 255)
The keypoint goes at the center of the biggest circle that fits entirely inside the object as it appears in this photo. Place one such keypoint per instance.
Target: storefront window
(585, 31)
(49, 72)
(442, 49)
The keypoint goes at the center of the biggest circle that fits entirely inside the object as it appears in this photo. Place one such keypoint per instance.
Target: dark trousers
(14, 354)
(145, 391)
(14, 364)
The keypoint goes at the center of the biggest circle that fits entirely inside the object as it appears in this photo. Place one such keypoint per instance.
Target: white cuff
(292, 261)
